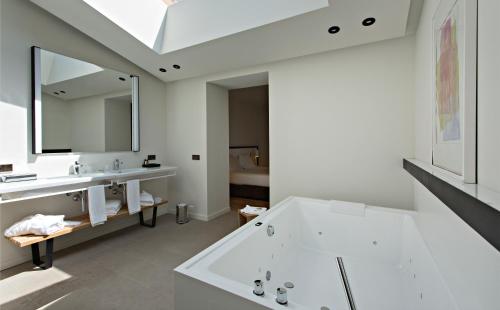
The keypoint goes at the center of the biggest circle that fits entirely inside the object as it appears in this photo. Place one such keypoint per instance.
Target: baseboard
(206, 218)
(218, 213)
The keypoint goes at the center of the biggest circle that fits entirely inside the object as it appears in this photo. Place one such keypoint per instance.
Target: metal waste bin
(181, 213)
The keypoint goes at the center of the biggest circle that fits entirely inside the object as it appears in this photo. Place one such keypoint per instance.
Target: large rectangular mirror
(82, 107)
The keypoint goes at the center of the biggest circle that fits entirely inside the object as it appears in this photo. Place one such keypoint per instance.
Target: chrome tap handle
(281, 297)
(258, 288)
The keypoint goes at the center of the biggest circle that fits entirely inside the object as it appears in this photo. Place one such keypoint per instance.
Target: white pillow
(246, 161)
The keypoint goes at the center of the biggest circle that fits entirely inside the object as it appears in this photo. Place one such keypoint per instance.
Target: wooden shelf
(22, 241)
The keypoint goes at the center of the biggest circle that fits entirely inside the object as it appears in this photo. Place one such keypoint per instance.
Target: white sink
(119, 175)
(131, 170)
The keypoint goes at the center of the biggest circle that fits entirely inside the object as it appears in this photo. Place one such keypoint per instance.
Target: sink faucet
(116, 164)
(77, 168)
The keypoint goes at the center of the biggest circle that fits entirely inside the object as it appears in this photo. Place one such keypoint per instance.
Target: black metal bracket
(153, 219)
(49, 254)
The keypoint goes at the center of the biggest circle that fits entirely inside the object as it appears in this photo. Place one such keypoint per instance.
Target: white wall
(340, 124)
(488, 95)
(186, 136)
(24, 24)
(249, 119)
(217, 150)
(56, 123)
(87, 124)
(469, 264)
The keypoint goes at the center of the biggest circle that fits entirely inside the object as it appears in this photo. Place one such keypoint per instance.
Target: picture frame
(454, 88)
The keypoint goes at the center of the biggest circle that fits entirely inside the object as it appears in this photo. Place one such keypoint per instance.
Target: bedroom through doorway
(249, 146)
(248, 139)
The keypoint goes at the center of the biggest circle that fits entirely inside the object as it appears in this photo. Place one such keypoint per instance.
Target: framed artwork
(454, 85)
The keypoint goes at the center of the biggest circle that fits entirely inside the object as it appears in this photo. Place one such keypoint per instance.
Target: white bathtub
(386, 262)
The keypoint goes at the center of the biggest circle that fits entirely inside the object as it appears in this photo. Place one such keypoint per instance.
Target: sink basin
(130, 170)
(112, 176)
(92, 174)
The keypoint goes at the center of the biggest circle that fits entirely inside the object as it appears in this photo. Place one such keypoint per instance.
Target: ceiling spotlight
(368, 21)
(121, 78)
(162, 70)
(177, 67)
(333, 29)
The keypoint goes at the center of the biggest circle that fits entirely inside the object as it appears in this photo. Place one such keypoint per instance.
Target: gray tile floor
(128, 269)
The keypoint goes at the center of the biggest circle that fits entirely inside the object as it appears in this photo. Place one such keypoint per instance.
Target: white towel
(147, 199)
(72, 223)
(113, 206)
(97, 205)
(253, 210)
(37, 224)
(133, 196)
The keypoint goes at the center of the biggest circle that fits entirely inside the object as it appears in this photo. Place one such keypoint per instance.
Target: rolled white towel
(253, 210)
(158, 200)
(147, 199)
(37, 224)
(72, 223)
(113, 206)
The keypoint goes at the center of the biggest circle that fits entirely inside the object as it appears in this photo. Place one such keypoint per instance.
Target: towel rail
(48, 194)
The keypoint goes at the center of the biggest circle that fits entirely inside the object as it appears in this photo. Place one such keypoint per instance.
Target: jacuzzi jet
(258, 288)
(289, 285)
(281, 297)
(270, 230)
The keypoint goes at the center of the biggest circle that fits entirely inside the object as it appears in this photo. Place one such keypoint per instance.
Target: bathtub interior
(386, 261)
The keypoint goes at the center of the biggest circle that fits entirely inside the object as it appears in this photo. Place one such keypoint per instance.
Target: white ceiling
(289, 38)
(98, 83)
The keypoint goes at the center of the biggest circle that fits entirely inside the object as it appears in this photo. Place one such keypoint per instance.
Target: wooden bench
(34, 240)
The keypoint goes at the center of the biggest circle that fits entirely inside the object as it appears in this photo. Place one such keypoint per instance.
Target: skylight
(57, 68)
(142, 19)
(191, 22)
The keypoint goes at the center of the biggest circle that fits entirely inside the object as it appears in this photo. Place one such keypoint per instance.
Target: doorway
(247, 149)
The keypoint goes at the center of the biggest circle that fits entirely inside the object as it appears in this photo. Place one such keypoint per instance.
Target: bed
(247, 178)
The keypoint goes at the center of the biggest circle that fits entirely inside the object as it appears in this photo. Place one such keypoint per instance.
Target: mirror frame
(36, 106)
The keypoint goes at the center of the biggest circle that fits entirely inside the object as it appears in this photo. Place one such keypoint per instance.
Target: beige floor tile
(128, 269)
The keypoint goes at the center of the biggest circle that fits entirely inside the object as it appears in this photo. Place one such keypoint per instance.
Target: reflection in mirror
(82, 107)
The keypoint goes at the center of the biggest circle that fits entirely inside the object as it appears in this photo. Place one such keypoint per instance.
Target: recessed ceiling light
(176, 67)
(56, 93)
(121, 78)
(368, 21)
(333, 29)
(62, 91)
(162, 70)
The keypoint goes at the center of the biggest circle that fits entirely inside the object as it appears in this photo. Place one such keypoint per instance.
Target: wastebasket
(181, 213)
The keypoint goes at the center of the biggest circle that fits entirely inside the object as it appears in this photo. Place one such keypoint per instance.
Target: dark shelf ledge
(476, 205)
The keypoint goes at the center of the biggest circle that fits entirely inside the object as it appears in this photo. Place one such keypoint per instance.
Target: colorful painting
(448, 80)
